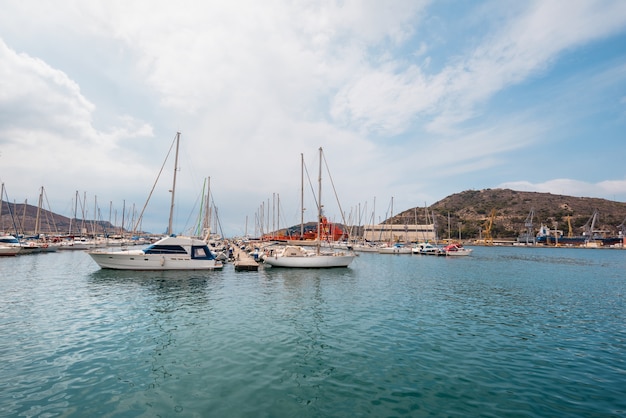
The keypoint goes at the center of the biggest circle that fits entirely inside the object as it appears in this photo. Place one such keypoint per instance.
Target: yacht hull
(316, 261)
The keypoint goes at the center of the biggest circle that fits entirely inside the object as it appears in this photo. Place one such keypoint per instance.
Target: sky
(411, 101)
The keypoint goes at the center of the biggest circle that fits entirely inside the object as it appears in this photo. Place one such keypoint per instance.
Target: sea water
(520, 332)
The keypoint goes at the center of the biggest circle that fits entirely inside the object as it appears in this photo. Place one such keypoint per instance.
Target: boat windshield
(165, 249)
(201, 252)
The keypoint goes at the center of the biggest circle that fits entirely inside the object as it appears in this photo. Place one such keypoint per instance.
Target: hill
(23, 217)
(471, 210)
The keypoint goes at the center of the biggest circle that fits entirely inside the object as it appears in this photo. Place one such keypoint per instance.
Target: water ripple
(506, 332)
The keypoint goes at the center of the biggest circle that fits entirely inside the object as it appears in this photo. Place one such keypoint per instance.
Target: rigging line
(343, 219)
(193, 229)
(9, 207)
(214, 211)
(284, 219)
(219, 222)
(308, 177)
(50, 213)
(190, 227)
(153, 187)
(198, 229)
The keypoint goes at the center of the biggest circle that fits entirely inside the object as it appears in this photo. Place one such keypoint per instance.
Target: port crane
(622, 228)
(569, 227)
(488, 237)
(590, 226)
(528, 223)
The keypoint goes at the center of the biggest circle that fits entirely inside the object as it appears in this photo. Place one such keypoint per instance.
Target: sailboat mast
(75, 208)
(83, 205)
(388, 221)
(123, 216)
(301, 195)
(319, 205)
(37, 219)
(23, 222)
(169, 226)
(278, 211)
(373, 215)
(94, 226)
(207, 210)
(1, 205)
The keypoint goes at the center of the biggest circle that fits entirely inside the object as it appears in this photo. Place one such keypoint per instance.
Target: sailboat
(9, 245)
(300, 257)
(169, 253)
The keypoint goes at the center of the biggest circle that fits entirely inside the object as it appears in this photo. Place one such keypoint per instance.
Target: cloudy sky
(411, 101)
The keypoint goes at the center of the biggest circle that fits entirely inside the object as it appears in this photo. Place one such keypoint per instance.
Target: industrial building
(399, 233)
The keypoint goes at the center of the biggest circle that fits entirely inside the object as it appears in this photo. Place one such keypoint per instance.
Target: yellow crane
(489, 224)
(569, 226)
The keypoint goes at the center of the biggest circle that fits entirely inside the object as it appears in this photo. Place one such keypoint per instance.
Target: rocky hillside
(23, 217)
(472, 209)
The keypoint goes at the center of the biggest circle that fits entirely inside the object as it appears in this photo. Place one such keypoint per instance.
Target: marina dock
(243, 260)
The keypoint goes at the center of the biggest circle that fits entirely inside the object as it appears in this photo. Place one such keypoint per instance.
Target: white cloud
(387, 98)
(46, 132)
(607, 189)
(44, 96)
(384, 102)
(102, 87)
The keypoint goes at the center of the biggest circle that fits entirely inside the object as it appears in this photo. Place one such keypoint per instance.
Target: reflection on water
(172, 304)
(107, 275)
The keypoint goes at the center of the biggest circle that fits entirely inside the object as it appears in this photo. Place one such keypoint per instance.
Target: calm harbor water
(520, 332)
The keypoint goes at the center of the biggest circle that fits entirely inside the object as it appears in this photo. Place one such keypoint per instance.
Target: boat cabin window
(165, 249)
(201, 252)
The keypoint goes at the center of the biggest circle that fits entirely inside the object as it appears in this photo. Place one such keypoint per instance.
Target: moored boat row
(425, 248)
(11, 246)
(14, 245)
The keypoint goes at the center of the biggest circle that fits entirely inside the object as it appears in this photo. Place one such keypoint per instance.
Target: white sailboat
(169, 253)
(397, 248)
(299, 257)
(455, 250)
(9, 245)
